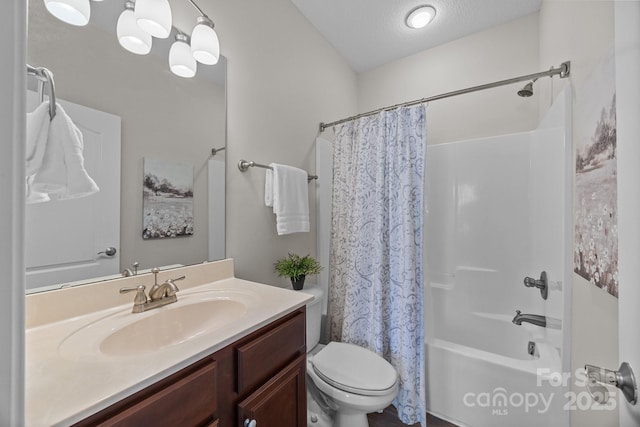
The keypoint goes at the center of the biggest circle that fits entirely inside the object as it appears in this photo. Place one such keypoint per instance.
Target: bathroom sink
(125, 334)
(172, 326)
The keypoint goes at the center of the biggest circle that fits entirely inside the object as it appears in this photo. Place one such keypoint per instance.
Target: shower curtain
(376, 297)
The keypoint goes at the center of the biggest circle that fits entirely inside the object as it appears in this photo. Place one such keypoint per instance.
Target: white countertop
(64, 386)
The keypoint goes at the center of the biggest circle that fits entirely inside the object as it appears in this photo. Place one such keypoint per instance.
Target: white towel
(34, 196)
(290, 199)
(62, 170)
(268, 188)
(37, 132)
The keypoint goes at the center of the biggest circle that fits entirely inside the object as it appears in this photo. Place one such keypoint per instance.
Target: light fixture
(130, 35)
(142, 20)
(74, 12)
(181, 60)
(420, 17)
(154, 17)
(204, 42)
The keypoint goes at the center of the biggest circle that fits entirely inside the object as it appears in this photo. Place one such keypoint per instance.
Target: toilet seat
(354, 369)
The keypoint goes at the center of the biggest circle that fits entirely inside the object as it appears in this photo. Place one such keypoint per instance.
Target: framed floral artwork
(596, 207)
(167, 189)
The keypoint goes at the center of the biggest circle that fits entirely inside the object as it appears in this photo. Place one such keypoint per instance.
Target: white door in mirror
(77, 239)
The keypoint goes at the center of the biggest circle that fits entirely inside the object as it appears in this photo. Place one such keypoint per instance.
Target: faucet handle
(141, 297)
(173, 288)
(176, 279)
(542, 284)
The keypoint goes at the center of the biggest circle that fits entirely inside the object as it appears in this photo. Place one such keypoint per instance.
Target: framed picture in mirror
(167, 194)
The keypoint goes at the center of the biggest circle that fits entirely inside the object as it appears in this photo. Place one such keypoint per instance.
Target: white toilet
(344, 381)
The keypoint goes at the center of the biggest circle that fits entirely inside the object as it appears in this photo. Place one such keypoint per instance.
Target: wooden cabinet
(281, 402)
(260, 377)
(186, 398)
(261, 357)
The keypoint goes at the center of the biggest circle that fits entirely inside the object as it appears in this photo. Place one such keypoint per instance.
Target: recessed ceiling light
(420, 17)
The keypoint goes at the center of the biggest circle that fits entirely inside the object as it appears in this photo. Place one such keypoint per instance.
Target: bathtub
(493, 219)
(506, 386)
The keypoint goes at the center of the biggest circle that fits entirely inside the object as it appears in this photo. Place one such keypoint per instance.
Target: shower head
(527, 90)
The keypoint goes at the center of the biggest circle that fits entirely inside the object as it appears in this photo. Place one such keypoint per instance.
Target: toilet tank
(314, 315)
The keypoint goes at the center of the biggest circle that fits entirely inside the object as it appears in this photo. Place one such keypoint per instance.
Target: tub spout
(534, 319)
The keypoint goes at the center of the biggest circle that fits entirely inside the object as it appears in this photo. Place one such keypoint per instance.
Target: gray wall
(594, 312)
(499, 53)
(283, 79)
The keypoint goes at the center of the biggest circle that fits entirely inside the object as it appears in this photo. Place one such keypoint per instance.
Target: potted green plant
(297, 268)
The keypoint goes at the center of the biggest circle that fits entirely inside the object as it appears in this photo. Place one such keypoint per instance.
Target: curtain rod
(563, 70)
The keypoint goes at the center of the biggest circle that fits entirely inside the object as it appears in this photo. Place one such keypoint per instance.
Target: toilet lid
(354, 369)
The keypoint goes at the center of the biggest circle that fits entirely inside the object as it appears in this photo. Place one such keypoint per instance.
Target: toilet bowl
(345, 382)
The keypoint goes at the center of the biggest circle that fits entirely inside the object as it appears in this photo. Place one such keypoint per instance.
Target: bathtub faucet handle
(623, 378)
(542, 284)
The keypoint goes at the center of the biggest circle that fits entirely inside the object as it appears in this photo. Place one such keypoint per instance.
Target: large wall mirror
(157, 116)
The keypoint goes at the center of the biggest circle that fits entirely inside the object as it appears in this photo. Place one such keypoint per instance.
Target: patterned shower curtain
(376, 292)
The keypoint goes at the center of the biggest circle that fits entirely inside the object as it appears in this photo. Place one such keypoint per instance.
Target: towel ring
(45, 76)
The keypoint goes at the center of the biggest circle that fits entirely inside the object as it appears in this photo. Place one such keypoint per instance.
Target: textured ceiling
(370, 33)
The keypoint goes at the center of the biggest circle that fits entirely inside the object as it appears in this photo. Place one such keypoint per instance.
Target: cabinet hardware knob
(250, 423)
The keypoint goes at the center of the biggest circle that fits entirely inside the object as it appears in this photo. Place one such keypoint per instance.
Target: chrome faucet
(128, 272)
(159, 295)
(166, 290)
(534, 319)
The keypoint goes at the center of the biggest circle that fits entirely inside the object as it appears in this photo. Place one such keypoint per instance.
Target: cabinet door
(281, 402)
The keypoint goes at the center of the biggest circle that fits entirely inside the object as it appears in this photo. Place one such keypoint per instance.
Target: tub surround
(64, 386)
(477, 264)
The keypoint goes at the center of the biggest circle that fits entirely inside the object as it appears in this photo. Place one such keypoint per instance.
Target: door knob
(110, 251)
(250, 423)
(623, 378)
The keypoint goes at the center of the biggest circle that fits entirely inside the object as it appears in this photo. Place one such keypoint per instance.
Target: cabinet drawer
(261, 358)
(188, 398)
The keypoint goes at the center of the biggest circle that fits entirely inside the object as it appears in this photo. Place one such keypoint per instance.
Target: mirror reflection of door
(64, 238)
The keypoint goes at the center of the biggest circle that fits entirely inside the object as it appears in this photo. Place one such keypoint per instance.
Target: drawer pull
(250, 423)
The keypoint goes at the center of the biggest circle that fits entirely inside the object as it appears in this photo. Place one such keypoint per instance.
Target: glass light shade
(420, 17)
(154, 17)
(74, 12)
(130, 35)
(205, 45)
(181, 60)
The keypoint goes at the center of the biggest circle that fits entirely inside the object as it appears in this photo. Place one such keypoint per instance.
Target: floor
(389, 418)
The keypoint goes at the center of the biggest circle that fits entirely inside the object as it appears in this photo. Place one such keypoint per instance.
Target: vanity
(229, 352)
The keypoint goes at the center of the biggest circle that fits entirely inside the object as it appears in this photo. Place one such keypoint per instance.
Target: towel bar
(244, 166)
